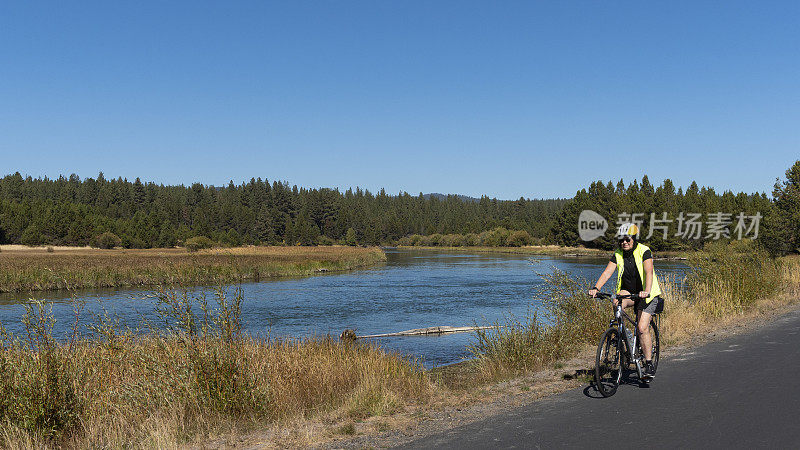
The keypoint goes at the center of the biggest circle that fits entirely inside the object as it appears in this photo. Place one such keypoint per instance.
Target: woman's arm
(610, 268)
(648, 277)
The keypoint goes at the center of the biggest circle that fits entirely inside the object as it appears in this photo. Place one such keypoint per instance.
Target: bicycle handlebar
(607, 295)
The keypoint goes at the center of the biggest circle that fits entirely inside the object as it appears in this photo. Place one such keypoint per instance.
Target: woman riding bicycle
(634, 264)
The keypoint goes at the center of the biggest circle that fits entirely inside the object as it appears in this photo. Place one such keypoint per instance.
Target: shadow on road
(629, 378)
(591, 391)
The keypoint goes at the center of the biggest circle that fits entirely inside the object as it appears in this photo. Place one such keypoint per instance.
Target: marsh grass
(25, 271)
(197, 376)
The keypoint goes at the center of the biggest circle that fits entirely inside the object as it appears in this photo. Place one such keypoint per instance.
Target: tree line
(75, 211)
(674, 219)
(92, 211)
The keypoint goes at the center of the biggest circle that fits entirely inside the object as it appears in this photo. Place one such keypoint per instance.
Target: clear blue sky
(507, 99)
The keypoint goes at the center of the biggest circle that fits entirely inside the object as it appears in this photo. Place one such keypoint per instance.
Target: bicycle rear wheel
(608, 367)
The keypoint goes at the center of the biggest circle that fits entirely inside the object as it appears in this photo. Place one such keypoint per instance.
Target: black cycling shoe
(649, 371)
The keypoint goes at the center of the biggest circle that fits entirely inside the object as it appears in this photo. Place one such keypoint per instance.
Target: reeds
(197, 376)
(25, 271)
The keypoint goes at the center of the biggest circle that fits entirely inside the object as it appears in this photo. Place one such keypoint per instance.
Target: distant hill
(438, 196)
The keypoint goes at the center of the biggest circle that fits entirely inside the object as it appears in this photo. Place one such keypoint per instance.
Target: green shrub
(518, 239)
(325, 240)
(39, 378)
(452, 240)
(197, 243)
(498, 237)
(133, 242)
(435, 240)
(31, 236)
(471, 240)
(350, 237)
(106, 240)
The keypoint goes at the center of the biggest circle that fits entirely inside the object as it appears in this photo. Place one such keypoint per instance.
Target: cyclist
(633, 262)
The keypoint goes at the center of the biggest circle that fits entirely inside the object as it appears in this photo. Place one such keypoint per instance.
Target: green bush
(133, 242)
(498, 237)
(325, 240)
(197, 243)
(435, 240)
(518, 239)
(106, 240)
(31, 236)
(40, 381)
(350, 237)
(452, 240)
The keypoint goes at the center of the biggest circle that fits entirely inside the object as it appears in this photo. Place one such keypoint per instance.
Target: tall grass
(731, 278)
(198, 375)
(557, 329)
(23, 271)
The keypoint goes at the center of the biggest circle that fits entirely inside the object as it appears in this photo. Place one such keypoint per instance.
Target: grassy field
(23, 269)
(202, 378)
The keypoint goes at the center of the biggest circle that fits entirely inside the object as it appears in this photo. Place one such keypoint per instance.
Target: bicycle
(619, 348)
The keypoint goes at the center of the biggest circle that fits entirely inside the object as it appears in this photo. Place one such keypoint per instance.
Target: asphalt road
(742, 392)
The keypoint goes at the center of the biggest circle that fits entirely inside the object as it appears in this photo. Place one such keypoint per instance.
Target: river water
(414, 289)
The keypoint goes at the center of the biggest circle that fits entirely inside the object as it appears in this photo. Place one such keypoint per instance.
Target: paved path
(742, 392)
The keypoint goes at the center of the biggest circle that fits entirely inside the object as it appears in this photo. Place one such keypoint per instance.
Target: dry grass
(35, 270)
(200, 379)
(691, 314)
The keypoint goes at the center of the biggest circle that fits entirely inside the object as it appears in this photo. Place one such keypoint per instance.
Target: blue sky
(507, 99)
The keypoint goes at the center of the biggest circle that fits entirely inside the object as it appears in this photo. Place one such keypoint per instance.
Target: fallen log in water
(351, 335)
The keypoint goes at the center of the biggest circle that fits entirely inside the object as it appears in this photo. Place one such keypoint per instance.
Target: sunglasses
(625, 239)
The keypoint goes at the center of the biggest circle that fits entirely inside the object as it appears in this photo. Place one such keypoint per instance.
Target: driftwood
(429, 331)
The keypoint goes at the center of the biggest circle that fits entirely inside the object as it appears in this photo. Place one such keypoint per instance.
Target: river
(414, 289)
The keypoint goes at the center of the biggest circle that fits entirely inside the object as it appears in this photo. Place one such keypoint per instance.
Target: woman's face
(626, 242)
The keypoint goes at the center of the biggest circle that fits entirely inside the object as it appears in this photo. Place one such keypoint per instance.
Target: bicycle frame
(629, 350)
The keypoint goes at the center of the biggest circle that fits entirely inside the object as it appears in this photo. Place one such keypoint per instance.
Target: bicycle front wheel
(608, 367)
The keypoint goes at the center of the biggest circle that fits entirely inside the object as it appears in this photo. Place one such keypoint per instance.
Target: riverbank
(24, 269)
(548, 250)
